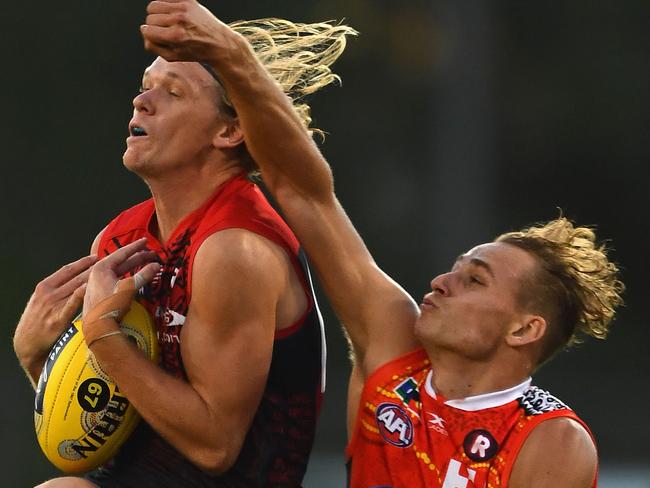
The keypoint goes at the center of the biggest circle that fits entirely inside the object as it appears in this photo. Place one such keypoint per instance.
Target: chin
(134, 163)
(129, 159)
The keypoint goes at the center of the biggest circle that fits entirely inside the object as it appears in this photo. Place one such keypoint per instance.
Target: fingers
(69, 310)
(160, 48)
(165, 7)
(117, 258)
(139, 279)
(67, 289)
(161, 35)
(146, 275)
(69, 271)
(135, 261)
(163, 20)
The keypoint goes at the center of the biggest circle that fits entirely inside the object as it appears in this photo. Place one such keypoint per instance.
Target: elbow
(214, 461)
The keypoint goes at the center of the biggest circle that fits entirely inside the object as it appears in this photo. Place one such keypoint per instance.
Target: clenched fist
(184, 30)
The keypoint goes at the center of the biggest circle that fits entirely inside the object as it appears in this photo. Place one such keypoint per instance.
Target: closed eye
(474, 279)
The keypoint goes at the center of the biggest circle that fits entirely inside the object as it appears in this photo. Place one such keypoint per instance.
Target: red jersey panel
(406, 436)
(277, 446)
(236, 204)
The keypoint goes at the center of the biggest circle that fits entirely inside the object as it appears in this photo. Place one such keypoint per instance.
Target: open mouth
(137, 131)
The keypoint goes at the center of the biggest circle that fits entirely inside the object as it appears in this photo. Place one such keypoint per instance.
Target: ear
(530, 329)
(228, 136)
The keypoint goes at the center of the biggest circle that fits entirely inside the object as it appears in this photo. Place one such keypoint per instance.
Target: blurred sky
(456, 121)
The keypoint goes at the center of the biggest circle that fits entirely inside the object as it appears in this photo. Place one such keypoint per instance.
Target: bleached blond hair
(576, 286)
(298, 56)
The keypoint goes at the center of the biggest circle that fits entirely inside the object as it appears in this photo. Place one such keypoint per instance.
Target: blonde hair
(298, 56)
(577, 286)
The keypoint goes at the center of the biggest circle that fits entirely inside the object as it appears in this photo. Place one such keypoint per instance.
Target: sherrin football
(81, 418)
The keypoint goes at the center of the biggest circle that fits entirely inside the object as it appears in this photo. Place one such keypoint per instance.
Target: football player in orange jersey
(440, 393)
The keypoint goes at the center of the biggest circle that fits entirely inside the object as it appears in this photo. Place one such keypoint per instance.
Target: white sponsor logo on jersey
(437, 423)
(455, 479)
(170, 318)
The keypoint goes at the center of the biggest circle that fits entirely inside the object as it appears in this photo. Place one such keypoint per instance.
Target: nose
(440, 284)
(143, 102)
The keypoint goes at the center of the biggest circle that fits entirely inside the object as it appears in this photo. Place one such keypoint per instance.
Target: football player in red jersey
(440, 393)
(235, 399)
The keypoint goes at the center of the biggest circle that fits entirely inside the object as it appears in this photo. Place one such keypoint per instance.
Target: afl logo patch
(394, 425)
(480, 445)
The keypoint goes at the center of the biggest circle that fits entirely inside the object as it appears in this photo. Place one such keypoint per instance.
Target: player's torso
(408, 438)
(167, 298)
(276, 449)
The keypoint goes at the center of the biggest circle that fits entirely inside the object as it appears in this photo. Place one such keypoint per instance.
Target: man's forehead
(180, 70)
(482, 251)
(500, 256)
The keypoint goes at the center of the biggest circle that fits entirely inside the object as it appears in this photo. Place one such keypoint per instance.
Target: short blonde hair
(298, 56)
(576, 288)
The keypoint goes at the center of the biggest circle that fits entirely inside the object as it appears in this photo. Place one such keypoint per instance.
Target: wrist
(228, 57)
(27, 356)
(32, 366)
(103, 336)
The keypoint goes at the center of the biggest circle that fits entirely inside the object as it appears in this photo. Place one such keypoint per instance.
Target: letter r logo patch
(480, 445)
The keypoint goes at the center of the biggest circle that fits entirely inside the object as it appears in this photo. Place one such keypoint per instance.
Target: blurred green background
(456, 121)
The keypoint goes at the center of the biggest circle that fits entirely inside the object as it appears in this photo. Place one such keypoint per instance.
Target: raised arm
(377, 313)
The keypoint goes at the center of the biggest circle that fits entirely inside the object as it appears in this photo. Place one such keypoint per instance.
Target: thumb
(146, 275)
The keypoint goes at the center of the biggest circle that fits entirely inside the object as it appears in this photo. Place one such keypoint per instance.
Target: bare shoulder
(240, 248)
(94, 248)
(558, 453)
(238, 279)
(238, 259)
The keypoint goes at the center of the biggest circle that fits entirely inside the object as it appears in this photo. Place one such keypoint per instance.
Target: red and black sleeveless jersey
(407, 436)
(276, 449)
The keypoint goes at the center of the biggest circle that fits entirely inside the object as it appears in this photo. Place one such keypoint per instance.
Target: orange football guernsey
(406, 436)
(277, 446)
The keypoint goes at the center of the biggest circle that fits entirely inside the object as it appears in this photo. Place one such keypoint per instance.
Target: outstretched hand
(183, 30)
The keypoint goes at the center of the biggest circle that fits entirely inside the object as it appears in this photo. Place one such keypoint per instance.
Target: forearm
(275, 136)
(171, 406)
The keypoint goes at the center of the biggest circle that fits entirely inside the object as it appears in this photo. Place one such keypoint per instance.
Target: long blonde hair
(298, 56)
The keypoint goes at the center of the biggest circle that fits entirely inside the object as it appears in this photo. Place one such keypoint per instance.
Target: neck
(178, 196)
(455, 377)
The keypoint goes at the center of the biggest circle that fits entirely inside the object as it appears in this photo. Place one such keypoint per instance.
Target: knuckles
(41, 288)
(177, 34)
(180, 18)
(161, 7)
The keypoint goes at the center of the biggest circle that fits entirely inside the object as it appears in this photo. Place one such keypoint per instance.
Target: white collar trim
(486, 400)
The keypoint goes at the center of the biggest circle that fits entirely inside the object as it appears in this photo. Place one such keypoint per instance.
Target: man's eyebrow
(477, 262)
(167, 74)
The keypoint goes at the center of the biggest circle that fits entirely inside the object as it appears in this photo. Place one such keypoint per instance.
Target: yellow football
(81, 418)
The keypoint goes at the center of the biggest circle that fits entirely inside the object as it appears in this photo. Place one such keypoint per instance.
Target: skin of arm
(377, 313)
(226, 345)
(558, 453)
